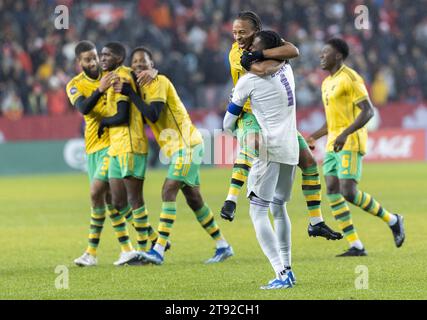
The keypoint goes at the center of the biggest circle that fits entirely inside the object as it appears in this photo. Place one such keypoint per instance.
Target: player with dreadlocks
(259, 62)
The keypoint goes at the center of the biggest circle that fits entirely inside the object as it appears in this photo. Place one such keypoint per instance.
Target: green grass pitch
(44, 223)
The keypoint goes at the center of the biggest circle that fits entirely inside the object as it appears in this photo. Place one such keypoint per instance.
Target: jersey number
(345, 163)
(288, 89)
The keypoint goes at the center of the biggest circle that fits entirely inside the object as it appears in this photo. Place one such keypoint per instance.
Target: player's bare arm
(311, 140)
(285, 52)
(361, 120)
(265, 68)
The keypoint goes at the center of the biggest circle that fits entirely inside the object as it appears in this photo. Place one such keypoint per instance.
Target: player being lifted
(86, 92)
(348, 109)
(271, 178)
(128, 149)
(244, 29)
(182, 144)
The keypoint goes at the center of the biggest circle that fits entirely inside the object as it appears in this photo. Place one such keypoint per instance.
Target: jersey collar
(339, 71)
(93, 80)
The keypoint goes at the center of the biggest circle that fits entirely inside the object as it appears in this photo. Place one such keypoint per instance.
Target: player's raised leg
(363, 200)
(247, 134)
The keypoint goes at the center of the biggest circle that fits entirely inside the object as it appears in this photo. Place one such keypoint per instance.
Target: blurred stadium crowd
(191, 40)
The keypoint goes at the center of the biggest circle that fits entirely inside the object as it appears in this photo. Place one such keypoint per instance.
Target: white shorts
(268, 180)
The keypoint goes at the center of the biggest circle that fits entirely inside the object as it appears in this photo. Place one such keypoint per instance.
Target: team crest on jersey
(73, 90)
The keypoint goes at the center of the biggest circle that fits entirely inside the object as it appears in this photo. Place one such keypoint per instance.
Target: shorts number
(345, 161)
(179, 162)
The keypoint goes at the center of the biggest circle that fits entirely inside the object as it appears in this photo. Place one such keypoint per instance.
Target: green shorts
(97, 165)
(344, 165)
(127, 165)
(301, 142)
(185, 165)
(247, 124)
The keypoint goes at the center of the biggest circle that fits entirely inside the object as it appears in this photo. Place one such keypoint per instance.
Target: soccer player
(182, 144)
(348, 109)
(244, 28)
(272, 175)
(128, 150)
(86, 92)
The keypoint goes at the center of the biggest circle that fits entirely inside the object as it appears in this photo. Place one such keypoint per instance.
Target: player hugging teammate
(109, 95)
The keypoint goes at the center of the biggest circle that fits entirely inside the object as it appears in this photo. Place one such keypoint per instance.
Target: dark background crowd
(191, 39)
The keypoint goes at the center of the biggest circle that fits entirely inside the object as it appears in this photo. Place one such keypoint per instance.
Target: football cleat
(292, 277)
(322, 230)
(278, 284)
(138, 262)
(398, 231)
(151, 256)
(228, 210)
(220, 255)
(86, 260)
(126, 257)
(353, 252)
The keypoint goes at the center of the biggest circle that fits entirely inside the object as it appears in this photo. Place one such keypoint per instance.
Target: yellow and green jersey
(129, 137)
(83, 86)
(174, 129)
(341, 93)
(237, 70)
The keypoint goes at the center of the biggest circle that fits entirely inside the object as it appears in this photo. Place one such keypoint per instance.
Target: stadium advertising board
(389, 145)
(69, 155)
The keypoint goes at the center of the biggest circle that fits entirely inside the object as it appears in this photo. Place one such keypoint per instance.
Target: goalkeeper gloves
(250, 57)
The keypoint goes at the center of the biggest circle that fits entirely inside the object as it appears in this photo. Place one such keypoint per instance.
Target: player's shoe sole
(353, 252)
(228, 210)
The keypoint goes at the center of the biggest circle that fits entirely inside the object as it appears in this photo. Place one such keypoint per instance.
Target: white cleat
(126, 257)
(86, 260)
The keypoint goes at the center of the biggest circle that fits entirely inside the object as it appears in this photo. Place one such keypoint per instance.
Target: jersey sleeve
(73, 92)
(157, 90)
(120, 97)
(242, 91)
(359, 91)
(124, 76)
